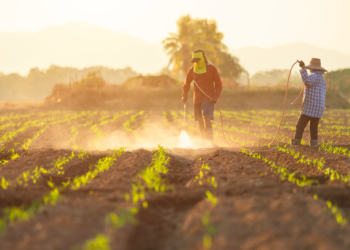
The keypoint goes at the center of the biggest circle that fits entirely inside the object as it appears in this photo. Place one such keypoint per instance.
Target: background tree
(339, 80)
(193, 34)
(179, 46)
(229, 66)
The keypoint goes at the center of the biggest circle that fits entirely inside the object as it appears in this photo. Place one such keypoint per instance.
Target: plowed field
(112, 180)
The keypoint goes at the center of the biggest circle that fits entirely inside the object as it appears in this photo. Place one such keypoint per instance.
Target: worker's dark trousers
(302, 122)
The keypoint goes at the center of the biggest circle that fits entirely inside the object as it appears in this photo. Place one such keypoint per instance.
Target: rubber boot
(295, 142)
(313, 143)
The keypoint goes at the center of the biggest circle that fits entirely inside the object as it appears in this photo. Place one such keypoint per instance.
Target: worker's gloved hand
(212, 101)
(301, 64)
(184, 100)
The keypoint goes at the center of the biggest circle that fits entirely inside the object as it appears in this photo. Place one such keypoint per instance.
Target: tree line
(339, 80)
(38, 84)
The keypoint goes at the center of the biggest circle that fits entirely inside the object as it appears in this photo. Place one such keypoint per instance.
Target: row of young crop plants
(15, 214)
(293, 177)
(296, 177)
(54, 119)
(148, 181)
(283, 139)
(301, 179)
(206, 179)
(327, 147)
(138, 195)
(33, 175)
(284, 174)
(340, 131)
(44, 124)
(57, 117)
(261, 119)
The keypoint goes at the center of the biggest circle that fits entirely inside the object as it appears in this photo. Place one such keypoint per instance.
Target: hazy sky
(262, 23)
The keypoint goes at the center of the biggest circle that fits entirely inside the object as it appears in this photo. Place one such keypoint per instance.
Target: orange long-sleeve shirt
(209, 82)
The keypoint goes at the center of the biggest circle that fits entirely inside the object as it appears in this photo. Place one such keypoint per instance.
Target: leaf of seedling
(210, 229)
(51, 184)
(65, 184)
(211, 198)
(145, 204)
(329, 204)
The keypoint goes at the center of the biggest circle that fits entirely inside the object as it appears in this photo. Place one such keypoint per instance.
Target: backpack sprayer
(222, 125)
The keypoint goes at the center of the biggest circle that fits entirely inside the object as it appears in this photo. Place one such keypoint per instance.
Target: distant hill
(256, 59)
(82, 45)
(78, 45)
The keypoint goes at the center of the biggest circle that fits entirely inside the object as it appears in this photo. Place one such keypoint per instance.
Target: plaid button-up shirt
(314, 94)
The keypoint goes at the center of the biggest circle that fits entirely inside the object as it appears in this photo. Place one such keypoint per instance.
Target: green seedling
(211, 198)
(4, 183)
(150, 179)
(337, 214)
(121, 217)
(100, 242)
(209, 230)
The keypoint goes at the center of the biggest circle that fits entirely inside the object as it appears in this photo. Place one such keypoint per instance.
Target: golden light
(184, 140)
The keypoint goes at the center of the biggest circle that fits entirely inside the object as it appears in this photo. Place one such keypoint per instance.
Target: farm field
(113, 180)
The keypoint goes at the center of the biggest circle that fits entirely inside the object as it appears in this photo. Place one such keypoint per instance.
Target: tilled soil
(255, 209)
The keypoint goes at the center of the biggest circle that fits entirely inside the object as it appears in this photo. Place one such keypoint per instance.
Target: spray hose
(222, 124)
(285, 100)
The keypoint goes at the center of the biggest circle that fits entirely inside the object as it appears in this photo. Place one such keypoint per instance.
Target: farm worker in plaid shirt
(208, 79)
(313, 101)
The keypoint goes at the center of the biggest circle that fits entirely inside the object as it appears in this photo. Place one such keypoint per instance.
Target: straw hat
(315, 63)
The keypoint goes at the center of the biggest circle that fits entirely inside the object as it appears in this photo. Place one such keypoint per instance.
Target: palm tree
(178, 45)
(209, 39)
(192, 34)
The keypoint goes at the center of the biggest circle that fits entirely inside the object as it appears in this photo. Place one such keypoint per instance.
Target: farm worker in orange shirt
(208, 79)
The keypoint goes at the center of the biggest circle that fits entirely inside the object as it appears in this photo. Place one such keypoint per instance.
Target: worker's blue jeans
(302, 122)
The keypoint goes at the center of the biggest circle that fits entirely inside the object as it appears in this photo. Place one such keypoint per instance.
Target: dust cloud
(149, 136)
(146, 134)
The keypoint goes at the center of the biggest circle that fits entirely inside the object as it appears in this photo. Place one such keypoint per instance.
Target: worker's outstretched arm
(187, 84)
(309, 81)
(218, 85)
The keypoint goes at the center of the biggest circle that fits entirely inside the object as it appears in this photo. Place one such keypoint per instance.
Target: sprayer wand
(183, 128)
